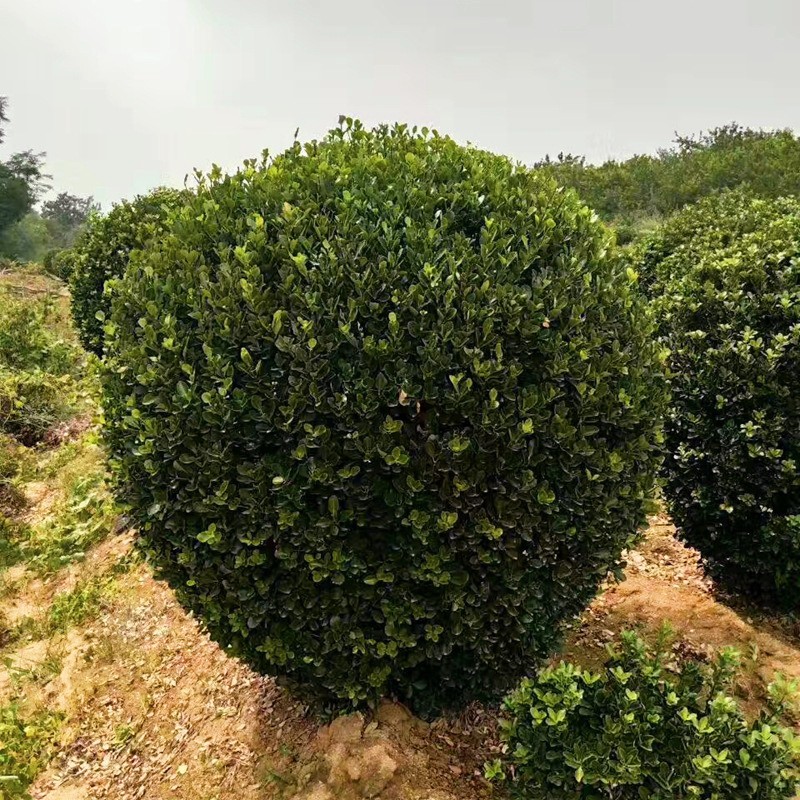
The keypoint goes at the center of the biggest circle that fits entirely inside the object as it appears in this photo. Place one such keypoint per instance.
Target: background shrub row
(102, 251)
(725, 281)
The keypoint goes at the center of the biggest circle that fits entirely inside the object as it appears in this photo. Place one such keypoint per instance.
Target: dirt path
(156, 710)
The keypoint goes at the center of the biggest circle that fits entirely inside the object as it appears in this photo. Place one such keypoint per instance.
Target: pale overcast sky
(128, 94)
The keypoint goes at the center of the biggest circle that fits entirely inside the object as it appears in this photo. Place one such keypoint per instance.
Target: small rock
(393, 714)
(346, 730)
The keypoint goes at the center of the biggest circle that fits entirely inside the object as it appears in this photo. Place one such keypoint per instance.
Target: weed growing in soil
(26, 745)
(86, 518)
(79, 604)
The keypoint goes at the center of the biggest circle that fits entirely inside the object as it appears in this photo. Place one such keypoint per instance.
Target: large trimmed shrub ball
(727, 285)
(101, 253)
(385, 412)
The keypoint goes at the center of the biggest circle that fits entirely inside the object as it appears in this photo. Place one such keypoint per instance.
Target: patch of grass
(31, 403)
(73, 607)
(14, 458)
(11, 583)
(68, 461)
(27, 627)
(41, 672)
(123, 734)
(13, 534)
(78, 604)
(86, 517)
(27, 742)
(31, 334)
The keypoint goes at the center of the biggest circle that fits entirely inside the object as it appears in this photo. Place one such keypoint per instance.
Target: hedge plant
(101, 252)
(385, 412)
(642, 728)
(726, 280)
(60, 263)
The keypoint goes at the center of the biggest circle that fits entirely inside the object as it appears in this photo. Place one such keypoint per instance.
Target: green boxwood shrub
(639, 729)
(385, 411)
(102, 250)
(60, 263)
(726, 281)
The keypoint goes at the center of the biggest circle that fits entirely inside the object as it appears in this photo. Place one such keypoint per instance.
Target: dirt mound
(157, 710)
(391, 755)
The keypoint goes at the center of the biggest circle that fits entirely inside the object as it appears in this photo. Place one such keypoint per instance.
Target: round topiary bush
(385, 411)
(726, 280)
(102, 251)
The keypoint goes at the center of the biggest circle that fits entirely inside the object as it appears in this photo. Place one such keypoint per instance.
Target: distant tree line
(644, 188)
(27, 234)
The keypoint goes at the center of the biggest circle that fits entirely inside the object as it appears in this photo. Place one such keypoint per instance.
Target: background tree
(635, 194)
(65, 215)
(3, 117)
(22, 182)
(68, 210)
(24, 235)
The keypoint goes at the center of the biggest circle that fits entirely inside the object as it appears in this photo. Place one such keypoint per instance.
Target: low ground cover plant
(39, 369)
(28, 743)
(645, 727)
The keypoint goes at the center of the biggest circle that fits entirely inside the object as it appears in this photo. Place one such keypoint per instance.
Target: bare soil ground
(154, 709)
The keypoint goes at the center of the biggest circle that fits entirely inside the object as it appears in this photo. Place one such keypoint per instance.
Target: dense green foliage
(385, 412)
(22, 181)
(31, 403)
(59, 263)
(725, 275)
(36, 235)
(28, 743)
(27, 240)
(102, 251)
(27, 339)
(37, 368)
(631, 191)
(639, 729)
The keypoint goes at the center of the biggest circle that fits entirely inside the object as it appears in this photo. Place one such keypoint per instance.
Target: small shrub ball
(385, 410)
(101, 253)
